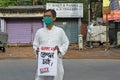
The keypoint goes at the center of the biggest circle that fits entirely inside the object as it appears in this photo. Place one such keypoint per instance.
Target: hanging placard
(47, 61)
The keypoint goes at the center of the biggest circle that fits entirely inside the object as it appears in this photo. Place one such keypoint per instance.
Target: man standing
(52, 36)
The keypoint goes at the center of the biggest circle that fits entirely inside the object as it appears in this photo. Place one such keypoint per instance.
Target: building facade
(21, 24)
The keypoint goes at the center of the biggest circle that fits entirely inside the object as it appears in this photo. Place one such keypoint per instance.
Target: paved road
(75, 69)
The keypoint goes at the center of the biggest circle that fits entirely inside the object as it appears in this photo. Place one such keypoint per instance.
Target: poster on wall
(114, 10)
(47, 61)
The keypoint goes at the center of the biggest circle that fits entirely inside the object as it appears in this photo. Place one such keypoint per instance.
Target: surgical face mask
(48, 21)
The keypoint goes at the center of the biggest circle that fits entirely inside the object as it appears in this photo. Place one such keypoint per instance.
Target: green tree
(4, 3)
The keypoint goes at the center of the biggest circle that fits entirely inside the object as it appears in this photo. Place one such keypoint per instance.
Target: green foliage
(62, 1)
(6, 3)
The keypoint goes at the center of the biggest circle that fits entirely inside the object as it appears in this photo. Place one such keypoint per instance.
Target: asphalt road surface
(75, 69)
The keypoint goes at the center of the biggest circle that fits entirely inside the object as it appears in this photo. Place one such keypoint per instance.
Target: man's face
(49, 14)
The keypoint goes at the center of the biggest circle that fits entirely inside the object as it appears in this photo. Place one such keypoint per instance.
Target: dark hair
(52, 11)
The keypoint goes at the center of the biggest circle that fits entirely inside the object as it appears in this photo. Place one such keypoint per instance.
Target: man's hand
(58, 50)
(37, 51)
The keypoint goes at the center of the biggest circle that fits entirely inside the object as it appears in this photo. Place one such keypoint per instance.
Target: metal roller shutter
(22, 30)
(70, 26)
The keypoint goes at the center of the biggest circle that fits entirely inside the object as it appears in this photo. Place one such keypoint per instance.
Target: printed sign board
(47, 61)
(106, 3)
(67, 9)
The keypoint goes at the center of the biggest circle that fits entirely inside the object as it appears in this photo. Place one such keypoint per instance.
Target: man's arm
(64, 44)
(36, 43)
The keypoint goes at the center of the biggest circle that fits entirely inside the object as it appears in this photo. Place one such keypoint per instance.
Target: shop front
(21, 23)
(69, 18)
